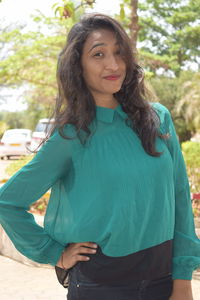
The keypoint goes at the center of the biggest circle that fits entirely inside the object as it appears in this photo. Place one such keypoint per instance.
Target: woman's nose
(111, 63)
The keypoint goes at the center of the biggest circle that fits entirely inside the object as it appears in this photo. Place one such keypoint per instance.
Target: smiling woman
(97, 66)
(104, 68)
(119, 219)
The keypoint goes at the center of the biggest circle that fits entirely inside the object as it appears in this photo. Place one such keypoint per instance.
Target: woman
(119, 216)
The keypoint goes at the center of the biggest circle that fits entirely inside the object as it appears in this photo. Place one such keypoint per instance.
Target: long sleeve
(25, 187)
(186, 245)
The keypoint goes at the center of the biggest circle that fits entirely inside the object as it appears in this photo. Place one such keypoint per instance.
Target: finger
(83, 249)
(82, 258)
(87, 244)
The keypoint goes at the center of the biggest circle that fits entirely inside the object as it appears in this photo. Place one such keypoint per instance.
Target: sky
(20, 11)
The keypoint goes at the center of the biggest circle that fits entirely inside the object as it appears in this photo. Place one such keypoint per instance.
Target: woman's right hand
(72, 254)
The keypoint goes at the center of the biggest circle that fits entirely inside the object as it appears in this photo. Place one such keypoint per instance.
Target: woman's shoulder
(62, 136)
(159, 107)
(161, 110)
(67, 130)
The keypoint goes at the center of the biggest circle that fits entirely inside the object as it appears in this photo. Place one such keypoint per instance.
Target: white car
(15, 142)
(43, 126)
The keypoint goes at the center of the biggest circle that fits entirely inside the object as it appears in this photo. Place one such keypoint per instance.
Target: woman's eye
(98, 54)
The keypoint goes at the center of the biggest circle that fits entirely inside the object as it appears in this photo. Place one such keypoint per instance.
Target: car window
(20, 135)
(41, 127)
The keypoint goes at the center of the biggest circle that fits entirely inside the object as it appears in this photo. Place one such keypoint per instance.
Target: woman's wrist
(180, 283)
(182, 290)
(62, 261)
(183, 286)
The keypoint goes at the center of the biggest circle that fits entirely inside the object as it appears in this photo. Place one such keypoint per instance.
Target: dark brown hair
(75, 104)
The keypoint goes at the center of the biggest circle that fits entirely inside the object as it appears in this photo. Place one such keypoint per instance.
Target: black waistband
(147, 264)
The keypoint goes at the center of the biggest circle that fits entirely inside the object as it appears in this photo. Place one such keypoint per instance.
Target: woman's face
(104, 69)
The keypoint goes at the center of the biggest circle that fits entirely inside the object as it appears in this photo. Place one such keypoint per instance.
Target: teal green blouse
(109, 191)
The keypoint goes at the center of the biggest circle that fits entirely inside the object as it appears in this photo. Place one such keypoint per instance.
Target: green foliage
(3, 127)
(66, 10)
(31, 57)
(39, 207)
(166, 90)
(181, 95)
(191, 152)
(23, 119)
(169, 33)
(189, 104)
(12, 119)
(32, 60)
(122, 11)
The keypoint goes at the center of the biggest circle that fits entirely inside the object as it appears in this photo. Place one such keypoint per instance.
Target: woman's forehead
(100, 36)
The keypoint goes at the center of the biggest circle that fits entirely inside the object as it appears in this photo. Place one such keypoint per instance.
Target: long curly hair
(75, 103)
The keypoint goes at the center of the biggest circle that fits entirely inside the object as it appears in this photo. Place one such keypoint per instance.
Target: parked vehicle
(15, 142)
(42, 128)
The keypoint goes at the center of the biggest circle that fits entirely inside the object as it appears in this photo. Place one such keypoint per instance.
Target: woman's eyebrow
(100, 44)
(96, 45)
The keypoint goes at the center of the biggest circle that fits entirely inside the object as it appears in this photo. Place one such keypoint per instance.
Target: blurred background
(165, 38)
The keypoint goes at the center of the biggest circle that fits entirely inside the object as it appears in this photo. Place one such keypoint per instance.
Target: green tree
(168, 33)
(12, 119)
(31, 57)
(191, 152)
(181, 95)
(129, 21)
(189, 103)
(3, 127)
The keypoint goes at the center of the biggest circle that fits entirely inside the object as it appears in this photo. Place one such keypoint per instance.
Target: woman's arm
(186, 245)
(182, 290)
(25, 187)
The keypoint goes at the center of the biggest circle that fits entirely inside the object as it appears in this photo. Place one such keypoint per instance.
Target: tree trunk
(134, 27)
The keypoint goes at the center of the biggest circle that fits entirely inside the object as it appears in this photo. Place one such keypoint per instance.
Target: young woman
(119, 216)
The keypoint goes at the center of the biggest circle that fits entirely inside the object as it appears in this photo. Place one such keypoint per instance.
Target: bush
(191, 155)
(39, 207)
(196, 208)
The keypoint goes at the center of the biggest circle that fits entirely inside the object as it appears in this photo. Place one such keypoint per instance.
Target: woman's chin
(113, 90)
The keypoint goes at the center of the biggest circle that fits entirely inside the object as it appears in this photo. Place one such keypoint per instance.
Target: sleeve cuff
(50, 254)
(54, 252)
(181, 273)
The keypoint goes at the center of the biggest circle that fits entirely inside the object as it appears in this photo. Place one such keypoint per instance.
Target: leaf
(122, 11)
(54, 5)
(58, 9)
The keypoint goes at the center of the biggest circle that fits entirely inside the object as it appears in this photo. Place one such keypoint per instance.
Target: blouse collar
(106, 114)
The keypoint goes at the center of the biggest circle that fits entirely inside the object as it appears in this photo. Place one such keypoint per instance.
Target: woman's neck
(106, 101)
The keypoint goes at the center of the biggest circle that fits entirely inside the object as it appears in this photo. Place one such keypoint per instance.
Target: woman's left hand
(182, 290)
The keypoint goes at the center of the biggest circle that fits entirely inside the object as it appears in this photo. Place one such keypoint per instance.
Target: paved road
(21, 282)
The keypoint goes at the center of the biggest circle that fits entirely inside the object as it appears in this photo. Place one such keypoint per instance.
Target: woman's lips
(112, 77)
